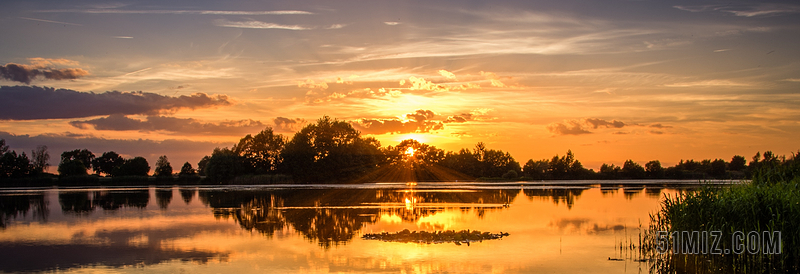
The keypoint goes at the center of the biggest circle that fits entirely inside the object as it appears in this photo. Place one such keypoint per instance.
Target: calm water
(570, 228)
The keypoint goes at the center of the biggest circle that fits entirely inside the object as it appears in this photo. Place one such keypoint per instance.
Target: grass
(771, 202)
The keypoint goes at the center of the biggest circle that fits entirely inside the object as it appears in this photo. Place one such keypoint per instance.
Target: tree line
(331, 150)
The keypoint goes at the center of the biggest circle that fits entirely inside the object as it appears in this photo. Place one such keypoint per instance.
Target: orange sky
(610, 81)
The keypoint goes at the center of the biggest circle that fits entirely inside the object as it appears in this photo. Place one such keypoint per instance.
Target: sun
(410, 152)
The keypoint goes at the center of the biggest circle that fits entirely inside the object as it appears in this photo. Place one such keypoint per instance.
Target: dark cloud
(25, 74)
(32, 103)
(659, 126)
(656, 132)
(179, 151)
(595, 123)
(171, 124)
(461, 118)
(567, 128)
(419, 122)
(288, 124)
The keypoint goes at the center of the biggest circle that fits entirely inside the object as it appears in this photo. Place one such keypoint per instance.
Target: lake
(566, 227)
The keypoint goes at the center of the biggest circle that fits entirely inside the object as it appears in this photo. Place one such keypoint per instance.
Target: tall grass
(771, 202)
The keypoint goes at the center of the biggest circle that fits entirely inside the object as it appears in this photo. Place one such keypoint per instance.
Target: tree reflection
(335, 216)
(163, 197)
(15, 206)
(75, 202)
(567, 196)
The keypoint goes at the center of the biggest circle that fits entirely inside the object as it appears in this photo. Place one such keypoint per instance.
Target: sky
(608, 80)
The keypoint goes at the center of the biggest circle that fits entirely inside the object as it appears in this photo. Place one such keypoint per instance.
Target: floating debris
(437, 237)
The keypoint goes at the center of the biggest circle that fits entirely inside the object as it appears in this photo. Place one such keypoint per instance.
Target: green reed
(770, 202)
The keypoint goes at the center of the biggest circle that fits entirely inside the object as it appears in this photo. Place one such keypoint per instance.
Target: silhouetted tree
(263, 151)
(163, 168)
(137, 166)
(330, 150)
(610, 171)
(107, 163)
(39, 159)
(633, 170)
(82, 155)
(71, 168)
(187, 170)
(224, 165)
(536, 169)
(201, 166)
(3, 146)
(654, 170)
(738, 163)
(718, 168)
(13, 165)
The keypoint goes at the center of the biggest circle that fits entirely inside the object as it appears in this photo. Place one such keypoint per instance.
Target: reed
(770, 202)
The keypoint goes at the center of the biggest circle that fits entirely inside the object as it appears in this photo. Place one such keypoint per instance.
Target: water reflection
(332, 217)
(319, 228)
(19, 205)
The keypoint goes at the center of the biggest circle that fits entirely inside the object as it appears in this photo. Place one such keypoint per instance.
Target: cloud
(195, 12)
(567, 128)
(745, 10)
(33, 103)
(418, 122)
(495, 80)
(49, 21)
(25, 73)
(392, 23)
(447, 74)
(656, 132)
(422, 84)
(659, 126)
(335, 26)
(576, 127)
(461, 118)
(118, 122)
(708, 83)
(253, 24)
(313, 85)
(595, 123)
(288, 124)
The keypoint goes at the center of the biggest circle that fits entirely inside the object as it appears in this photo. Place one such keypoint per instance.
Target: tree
(187, 170)
(632, 170)
(107, 163)
(536, 169)
(330, 150)
(71, 168)
(653, 169)
(718, 168)
(737, 163)
(224, 165)
(137, 166)
(163, 168)
(263, 151)
(201, 166)
(3, 146)
(13, 165)
(610, 171)
(39, 159)
(71, 160)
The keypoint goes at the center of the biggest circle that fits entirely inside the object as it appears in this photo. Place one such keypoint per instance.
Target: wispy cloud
(253, 24)
(197, 12)
(745, 10)
(708, 83)
(392, 23)
(50, 21)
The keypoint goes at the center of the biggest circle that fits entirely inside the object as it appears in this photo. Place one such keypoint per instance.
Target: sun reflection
(410, 203)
